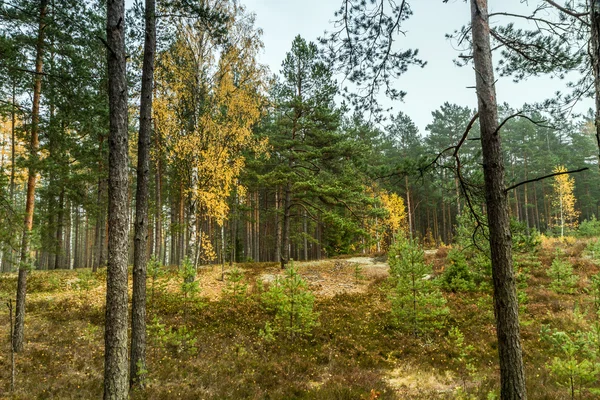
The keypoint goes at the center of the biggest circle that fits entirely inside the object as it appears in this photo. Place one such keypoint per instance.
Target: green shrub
(457, 276)
(189, 286)
(418, 305)
(463, 357)
(180, 340)
(292, 304)
(155, 272)
(589, 228)
(524, 240)
(575, 365)
(561, 272)
(235, 287)
(593, 249)
(85, 279)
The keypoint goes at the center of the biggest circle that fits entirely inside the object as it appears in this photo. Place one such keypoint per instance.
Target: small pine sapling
(235, 286)
(417, 303)
(457, 276)
(575, 366)
(358, 273)
(561, 273)
(189, 285)
(292, 303)
(155, 272)
(464, 358)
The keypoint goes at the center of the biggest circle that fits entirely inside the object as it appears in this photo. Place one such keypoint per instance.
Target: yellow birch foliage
(381, 230)
(396, 219)
(207, 103)
(563, 200)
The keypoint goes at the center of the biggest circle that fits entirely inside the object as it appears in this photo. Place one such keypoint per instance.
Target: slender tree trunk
(8, 255)
(537, 209)
(305, 231)
(173, 231)
(512, 373)
(182, 231)
(98, 236)
(595, 59)
(58, 263)
(76, 250)
(525, 199)
(13, 143)
(408, 210)
(19, 331)
(287, 205)
(138, 308)
(256, 227)
(158, 199)
(115, 336)
(86, 239)
(278, 254)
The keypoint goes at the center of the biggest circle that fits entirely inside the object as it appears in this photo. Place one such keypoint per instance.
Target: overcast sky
(427, 88)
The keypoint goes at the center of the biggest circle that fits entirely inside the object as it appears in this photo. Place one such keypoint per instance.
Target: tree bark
(19, 331)
(115, 337)
(285, 243)
(595, 59)
(138, 308)
(60, 226)
(158, 199)
(512, 374)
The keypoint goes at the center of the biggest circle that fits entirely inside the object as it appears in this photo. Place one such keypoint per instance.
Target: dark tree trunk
(138, 323)
(158, 193)
(98, 258)
(173, 230)
(512, 374)
(76, 246)
(278, 254)
(13, 142)
(68, 236)
(115, 336)
(59, 256)
(287, 206)
(19, 331)
(595, 58)
(138, 308)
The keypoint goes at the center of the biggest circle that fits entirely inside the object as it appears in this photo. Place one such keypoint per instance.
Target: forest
(180, 221)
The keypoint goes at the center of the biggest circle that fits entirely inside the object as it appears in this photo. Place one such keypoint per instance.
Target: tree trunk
(595, 58)
(138, 307)
(19, 331)
(512, 374)
(278, 254)
(526, 200)
(305, 234)
(13, 143)
(59, 256)
(76, 248)
(408, 210)
(115, 336)
(256, 227)
(287, 205)
(100, 212)
(158, 206)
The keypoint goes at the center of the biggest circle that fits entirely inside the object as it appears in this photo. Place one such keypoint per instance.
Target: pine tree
(417, 303)
(292, 304)
(115, 337)
(561, 273)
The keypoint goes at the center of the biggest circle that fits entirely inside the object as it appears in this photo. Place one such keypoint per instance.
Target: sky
(427, 88)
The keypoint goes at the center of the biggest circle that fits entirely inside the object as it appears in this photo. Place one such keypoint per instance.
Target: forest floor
(210, 347)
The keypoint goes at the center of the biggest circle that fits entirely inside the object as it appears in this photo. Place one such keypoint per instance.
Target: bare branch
(544, 177)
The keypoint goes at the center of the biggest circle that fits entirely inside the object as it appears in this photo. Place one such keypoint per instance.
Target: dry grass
(355, 352)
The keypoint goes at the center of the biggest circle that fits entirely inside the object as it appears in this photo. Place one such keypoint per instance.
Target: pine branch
(543, 177)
